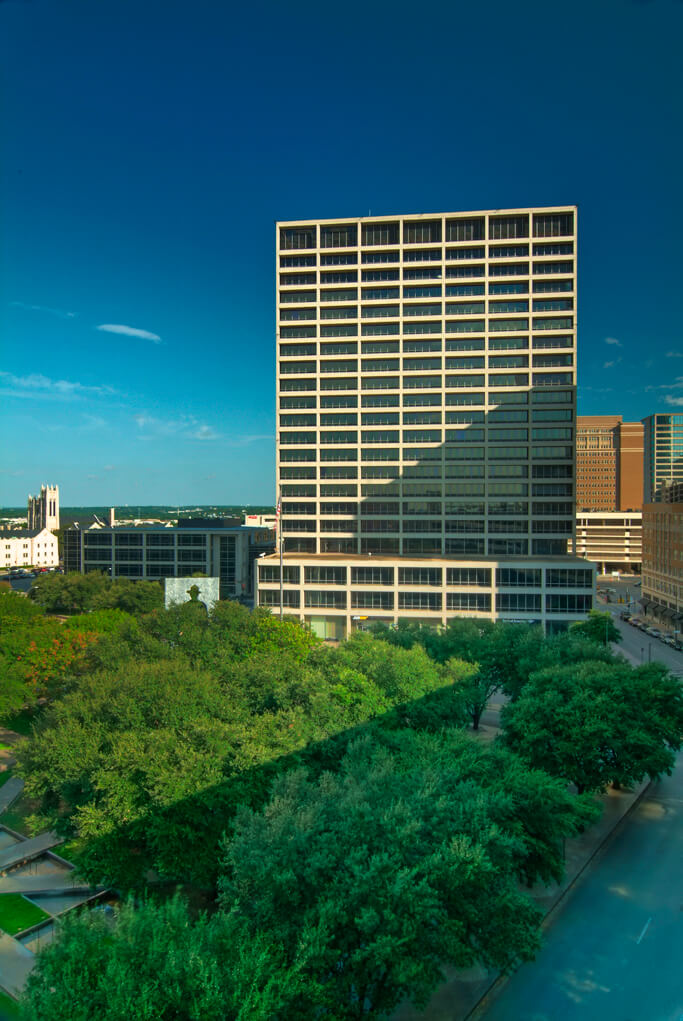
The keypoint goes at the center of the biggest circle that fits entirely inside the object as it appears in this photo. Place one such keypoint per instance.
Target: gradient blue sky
(147, 147)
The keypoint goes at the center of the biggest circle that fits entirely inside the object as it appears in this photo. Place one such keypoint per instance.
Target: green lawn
(9, 1008)
(17, 914)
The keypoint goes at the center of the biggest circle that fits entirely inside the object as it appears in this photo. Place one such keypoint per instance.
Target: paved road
(642, 647)
(614, 952)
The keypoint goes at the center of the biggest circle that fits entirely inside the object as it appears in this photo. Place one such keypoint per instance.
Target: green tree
(597, 627)
(39, 656)
(152, 963)
(78, 593)
(394, 868)
(595, 723)
(537, 809)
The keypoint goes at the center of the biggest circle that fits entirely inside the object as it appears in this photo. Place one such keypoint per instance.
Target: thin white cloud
(205, 432)
(59, 312)
(38, 387)
(677, 402)
(674, 354)
(93, 421)
(109, 467)
(676, 385)
(613, 341)
(188, 428)
(129, 331)
(610, 365)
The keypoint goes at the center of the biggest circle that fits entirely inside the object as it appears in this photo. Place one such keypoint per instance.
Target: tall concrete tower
(43, 510)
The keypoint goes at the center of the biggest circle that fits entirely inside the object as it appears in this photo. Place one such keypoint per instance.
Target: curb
(500, 981)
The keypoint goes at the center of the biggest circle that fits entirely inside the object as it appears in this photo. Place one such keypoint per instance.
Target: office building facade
(662, 586)
(157, 552)
(609, 464)
(611, 540)
(663, 453)
(426, 371)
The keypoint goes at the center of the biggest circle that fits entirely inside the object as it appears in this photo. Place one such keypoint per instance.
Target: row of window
(427, 473)
(502, 402)
(432, 271)
(506, 602)
(391, 545)
(424, 291)
(424, 255)
(431, 309)
(388, 329)
(433, 345)
(507, 361)
(425, 382)
(471, 228)
(466, 435)
(496, 415)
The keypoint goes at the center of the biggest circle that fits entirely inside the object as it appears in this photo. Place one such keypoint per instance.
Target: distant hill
(163, 511)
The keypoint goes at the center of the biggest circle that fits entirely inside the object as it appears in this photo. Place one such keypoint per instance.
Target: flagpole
(279, 539)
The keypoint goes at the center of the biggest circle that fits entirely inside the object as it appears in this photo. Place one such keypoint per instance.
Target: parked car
(624, 615)
(653, 631)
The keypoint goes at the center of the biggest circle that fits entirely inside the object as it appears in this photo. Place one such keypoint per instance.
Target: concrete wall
(177, 590)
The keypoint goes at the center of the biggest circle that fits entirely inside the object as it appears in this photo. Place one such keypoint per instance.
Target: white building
(426, 374)
(613, 540)
(28, 548)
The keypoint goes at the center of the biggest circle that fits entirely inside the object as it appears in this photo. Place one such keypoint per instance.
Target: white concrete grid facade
(426, 371)
(613, 540)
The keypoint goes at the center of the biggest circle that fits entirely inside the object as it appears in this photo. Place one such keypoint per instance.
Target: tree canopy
(597, 627)
(596, 722)
(393, 867)
(360, 839)
(77, 593)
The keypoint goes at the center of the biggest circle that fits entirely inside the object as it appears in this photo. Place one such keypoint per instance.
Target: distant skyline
(148, 146)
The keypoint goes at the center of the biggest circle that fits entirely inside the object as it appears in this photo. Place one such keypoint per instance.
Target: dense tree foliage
(77, 593)
(183, 718)
(360, 839)
(154, 964)
(41, 657)
(597, 627)
(596, 722)
(395, 866)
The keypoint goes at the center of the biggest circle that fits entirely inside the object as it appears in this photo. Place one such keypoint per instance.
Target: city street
(643, 648)
(614, 950)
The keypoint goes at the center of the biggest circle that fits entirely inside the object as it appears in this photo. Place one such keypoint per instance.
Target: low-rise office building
(219, 550)
(336, 595)
(613, 541)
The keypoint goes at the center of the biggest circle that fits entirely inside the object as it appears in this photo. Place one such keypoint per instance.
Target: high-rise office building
(609, 464)
(426, 370)
(663, 453)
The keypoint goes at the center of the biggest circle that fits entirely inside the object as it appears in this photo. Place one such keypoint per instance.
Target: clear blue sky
(147, 146)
